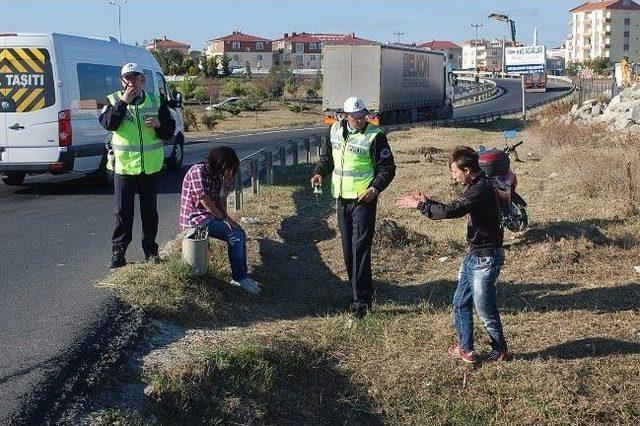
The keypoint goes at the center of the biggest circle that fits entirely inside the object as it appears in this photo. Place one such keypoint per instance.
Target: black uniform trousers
(357, 221)
(125, 190)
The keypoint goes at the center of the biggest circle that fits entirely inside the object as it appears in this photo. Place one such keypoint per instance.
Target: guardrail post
(283, 156)
(255, 175)
(307, 148)
(295, 152)
(319, 141)
(238, 189)
(268, 159)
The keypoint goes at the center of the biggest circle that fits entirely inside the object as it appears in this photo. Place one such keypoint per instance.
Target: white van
(52, 89)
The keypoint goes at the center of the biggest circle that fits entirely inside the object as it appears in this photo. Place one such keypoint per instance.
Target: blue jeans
(477, 287)
(236, 240)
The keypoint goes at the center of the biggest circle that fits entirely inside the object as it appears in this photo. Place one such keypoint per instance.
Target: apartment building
(242, 48)
(304, 51)
(168, 44)
(485, 55)
(604, 29)
(452, 51)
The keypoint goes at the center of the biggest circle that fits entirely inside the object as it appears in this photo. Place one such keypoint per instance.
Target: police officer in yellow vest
(359, 159)
(140, 121)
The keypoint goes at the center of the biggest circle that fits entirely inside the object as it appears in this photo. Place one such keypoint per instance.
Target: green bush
(297, 107)
(187, 86)
(233, 109)
(189, 117)
(200, 95)
(233, 87)
(210, 121)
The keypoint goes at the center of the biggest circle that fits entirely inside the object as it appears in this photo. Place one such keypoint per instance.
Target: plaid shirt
(195, 186)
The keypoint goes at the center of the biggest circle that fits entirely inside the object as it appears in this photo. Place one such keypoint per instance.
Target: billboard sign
(525, 59)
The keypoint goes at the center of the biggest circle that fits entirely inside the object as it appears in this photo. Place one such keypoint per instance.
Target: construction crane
(505, 18)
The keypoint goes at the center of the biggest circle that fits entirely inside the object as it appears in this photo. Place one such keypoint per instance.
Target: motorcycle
(497, 164)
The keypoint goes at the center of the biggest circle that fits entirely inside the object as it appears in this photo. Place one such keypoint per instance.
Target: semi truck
(398, 84)
(535, 82)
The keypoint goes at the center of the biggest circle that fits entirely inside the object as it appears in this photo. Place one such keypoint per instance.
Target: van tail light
(64, 128)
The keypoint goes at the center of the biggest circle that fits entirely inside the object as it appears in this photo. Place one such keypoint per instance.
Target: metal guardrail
(258, 167)
(477, 96)
(264, 159)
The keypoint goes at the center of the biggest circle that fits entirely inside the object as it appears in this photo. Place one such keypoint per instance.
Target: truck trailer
(398, 84)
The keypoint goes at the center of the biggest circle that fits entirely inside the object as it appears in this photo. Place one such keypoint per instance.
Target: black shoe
(152, 258)
(360, 309)
(117, 260)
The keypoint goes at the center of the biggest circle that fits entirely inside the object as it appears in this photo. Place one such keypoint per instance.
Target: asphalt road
(55, 234)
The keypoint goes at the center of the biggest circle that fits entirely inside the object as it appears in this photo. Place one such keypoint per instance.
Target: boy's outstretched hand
(411, 200)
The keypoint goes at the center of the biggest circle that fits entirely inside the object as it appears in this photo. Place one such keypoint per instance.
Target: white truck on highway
(398, 84)
(52, 89)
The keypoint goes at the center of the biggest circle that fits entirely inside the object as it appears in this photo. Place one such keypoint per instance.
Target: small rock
(553, 175)
(251, 220)
(443, 258)
(637, 268)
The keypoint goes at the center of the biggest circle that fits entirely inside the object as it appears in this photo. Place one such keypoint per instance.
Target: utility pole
(398, 34)
(524, 105)
(119, 5)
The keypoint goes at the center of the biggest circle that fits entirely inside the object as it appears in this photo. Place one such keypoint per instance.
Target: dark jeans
(477, 287)
(357, 225)
(125, 190)
(236, 240)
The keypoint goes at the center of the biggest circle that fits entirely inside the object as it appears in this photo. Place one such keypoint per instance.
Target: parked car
(56, 88)
(221, 105)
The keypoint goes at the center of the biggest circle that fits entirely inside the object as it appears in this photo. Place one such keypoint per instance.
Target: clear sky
(196, 21)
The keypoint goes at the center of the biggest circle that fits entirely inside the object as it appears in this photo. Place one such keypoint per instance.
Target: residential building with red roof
(242, 48)
(304, 50)
(604, 29)
(452, 51)
(168, 44)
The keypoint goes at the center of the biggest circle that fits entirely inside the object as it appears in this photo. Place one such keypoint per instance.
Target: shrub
(234, 87)
(210, 121)
(200, 94)
(189, 118)
(232, 109)
(187, 87)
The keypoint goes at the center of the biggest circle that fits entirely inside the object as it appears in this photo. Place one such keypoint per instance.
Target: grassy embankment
(569, 297)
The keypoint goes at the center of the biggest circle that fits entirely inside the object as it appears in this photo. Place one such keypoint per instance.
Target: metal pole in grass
(319, 141)
(255, 175)
(238, 189)
(268, 159)
(295, 152)
(307, 148)
(524, 105)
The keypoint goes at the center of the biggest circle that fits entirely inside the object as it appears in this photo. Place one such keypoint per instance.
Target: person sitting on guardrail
(482, 264)
(203, 205)
(359, 159)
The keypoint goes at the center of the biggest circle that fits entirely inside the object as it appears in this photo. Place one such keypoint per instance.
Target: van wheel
(177, 153)
(14, 179)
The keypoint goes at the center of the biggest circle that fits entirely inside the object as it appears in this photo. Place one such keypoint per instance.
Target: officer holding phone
(140, 122)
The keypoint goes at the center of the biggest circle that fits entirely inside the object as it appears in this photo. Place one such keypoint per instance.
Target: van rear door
(29, 102)
(3, 117)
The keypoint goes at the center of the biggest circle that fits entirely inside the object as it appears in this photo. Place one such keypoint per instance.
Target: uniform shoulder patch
(385, 153)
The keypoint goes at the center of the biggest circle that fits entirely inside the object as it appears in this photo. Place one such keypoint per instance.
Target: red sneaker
(457, 352)
(496, 355)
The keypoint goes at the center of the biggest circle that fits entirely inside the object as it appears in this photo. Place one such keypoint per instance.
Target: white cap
(130, 68)
(354, 106)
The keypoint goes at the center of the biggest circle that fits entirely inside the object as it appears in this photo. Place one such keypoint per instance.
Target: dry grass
(273, 115)
(568, 293)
